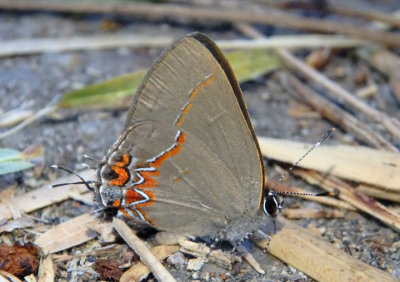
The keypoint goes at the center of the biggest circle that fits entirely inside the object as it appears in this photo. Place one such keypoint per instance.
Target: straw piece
(378, 192)
(349, 194)
(379, 168)
(140, 248)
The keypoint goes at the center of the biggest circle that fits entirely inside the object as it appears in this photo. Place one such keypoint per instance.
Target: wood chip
(45, 196)
(140, 248)
(66, 235)
(195, 264)
(193, 248)
(310, 254)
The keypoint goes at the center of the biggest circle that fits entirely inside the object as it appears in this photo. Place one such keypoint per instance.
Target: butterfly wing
(192, 142)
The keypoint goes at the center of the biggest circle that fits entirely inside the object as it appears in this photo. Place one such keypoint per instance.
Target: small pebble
(177, 259)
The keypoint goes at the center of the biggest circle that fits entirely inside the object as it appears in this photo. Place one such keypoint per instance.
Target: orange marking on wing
(123, 176)
(146, 217)
(124, 212)
(175, 150)
(149, 181)
(126, 159)
(183, 113)
(132, 196)
(116, 203)
(210, 79)
(193, 93)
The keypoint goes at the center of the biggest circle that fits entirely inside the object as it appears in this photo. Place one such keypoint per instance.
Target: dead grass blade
(154, 11)
(338, 116)
(389, 123)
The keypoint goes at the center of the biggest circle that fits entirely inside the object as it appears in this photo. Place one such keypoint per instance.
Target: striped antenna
(327, 134)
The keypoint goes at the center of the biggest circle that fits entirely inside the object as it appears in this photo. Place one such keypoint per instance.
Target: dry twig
(338, 116)
(140, 248)
(392, 126)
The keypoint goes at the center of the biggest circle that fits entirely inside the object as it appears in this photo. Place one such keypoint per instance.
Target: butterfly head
(272, 205)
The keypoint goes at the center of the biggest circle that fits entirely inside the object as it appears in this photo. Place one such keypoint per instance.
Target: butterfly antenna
(92, 159)
(83, 181)
(326, 135)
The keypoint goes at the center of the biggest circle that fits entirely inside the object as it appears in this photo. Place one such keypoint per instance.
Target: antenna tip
(330, 194)
(54, 166)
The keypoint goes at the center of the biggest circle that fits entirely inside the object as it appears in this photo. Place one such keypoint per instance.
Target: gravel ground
(33, 81)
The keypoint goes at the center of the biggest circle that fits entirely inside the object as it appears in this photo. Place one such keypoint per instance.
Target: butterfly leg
(218, 236)
(239, 242)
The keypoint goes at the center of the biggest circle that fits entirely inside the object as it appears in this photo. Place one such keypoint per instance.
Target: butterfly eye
(271, 204)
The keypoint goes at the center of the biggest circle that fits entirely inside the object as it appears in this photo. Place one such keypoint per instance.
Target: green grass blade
(117, 92)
